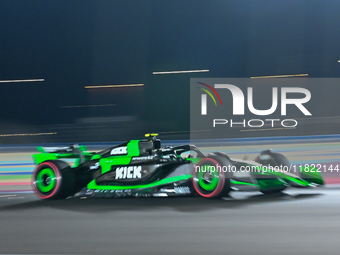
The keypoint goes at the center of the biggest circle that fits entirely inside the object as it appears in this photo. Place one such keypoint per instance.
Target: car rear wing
(74, 151)
(65, 149)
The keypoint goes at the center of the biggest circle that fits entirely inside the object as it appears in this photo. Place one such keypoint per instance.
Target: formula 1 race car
(142, 168)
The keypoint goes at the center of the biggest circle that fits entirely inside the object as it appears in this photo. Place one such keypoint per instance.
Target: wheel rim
(46, 180)
(208, 181)
(208, 178)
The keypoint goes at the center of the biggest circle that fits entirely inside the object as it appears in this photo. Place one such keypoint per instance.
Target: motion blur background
(72, 45)
(79, 43)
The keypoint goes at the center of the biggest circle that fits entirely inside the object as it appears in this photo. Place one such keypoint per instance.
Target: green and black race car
(142, 168)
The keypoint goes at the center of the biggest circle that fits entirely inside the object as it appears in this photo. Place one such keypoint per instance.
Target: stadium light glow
(28, 80)
(281, 76)
(113, 86)
(187, 71)
(32, 134)
(83, 106)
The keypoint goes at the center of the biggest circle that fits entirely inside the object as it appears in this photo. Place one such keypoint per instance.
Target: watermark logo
(247, 101)
(204, 97)
(238, 99)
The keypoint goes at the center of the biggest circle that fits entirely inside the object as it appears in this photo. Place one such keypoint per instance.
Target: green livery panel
(93, 185)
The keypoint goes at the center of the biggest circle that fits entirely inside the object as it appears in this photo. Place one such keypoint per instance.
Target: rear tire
(53, 179)
(209, 180)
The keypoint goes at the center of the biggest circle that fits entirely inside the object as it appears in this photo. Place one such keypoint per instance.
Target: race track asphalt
(300, 221)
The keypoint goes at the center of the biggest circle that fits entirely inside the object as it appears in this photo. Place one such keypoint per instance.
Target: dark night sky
(72, 44)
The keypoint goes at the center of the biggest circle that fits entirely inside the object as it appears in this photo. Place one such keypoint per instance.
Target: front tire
(273, 159)
(53, 179)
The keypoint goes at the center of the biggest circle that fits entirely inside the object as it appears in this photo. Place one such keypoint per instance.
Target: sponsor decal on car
(143, 158)
(182, 190)
(129, 172)
(119, 151)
